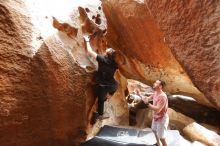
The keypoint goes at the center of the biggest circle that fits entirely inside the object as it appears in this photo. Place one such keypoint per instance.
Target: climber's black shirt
(106, 70)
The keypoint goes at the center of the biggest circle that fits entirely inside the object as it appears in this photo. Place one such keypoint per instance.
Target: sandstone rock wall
(47, 86)
(43, 90)
(191, 29)
(168, 40)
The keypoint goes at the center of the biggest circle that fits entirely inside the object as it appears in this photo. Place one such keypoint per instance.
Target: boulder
(196, 132)
(169, 40)
(45, 94)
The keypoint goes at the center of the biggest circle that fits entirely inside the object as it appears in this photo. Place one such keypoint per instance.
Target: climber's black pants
(101, 92)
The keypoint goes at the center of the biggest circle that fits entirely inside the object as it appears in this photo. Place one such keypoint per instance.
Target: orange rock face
(47, 82)
(65, 27)
(168, 40)
(192, 33)
(45, 95)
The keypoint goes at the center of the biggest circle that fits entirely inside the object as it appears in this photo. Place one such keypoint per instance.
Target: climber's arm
(89, 49)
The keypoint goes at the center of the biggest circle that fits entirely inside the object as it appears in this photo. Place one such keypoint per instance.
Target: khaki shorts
(160, 126)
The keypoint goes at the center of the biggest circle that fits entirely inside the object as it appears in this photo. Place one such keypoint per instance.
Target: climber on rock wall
(105, 82)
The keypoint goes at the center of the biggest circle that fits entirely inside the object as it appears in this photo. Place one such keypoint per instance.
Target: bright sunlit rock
(42, 11)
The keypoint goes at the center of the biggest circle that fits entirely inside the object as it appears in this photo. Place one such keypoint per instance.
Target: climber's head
(110, 53)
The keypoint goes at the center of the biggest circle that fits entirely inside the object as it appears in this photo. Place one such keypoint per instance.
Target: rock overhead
(169, 40)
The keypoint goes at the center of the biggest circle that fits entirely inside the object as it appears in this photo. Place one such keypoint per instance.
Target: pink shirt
(162, 100)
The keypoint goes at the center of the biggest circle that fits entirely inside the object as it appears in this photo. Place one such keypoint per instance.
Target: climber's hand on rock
(86, 38)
